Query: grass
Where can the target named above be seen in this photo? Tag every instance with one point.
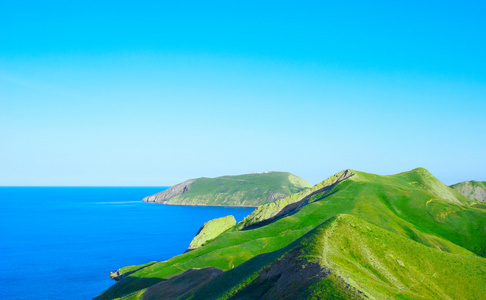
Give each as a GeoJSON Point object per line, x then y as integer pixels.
{"type": "Point", "coordinates": [211, 230]}
{"type": "Point", "coordinates": [242, 190]}
{"type": "Point", "coordinates": [402, 236]}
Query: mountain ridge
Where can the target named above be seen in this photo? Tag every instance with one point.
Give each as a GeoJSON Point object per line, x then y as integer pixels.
{"type": "Point", "coordinates": [381, 229]}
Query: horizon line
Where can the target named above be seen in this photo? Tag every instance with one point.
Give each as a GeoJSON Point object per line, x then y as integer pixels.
{"type": "Point", "coordinates": [3, 186]}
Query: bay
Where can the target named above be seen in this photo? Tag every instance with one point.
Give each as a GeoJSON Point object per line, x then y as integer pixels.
{"type": "Point", "coordinates": [62, 242]}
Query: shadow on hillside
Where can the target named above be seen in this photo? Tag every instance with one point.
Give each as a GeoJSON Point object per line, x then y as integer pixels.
{"type": "Point", "coordinates": [117, 277]}
{"type": "Point", "coordinates": [293, 208]}
{"type": "Point", "coordinates": [126, 286]}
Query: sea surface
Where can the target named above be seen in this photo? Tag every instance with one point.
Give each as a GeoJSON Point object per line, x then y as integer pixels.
{"type": "Point", "coordinates": [62, 242]}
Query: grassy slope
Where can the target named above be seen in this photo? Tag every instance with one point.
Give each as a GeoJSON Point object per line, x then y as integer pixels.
{"type": "Point", "coordinates": [241, 190]}
{"type": "Point", "coordinates": [412, 206]}
{"type": "Point", "coordinates": [211, 230]}
{"type": "Point", "coordinates": [353, 255]}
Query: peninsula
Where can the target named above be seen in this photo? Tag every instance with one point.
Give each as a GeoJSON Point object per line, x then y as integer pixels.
{"type": "Point", "coordinates": [241, 190]}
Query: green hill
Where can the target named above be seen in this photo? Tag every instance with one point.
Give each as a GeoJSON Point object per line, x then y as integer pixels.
{"type": "Point", "coordinates": [210, 230]}
{"type": "Point", "coordinates": [472, 189]}
{"type": "Point", "coordinates": [242, 190]}
{"type": "Point", "coordinates": [355, 235]}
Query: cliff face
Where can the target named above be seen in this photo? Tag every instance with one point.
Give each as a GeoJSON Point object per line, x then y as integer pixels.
{"type": "Point", "coordinates": [241, 190]}
{"type": "Point", "coordinates": [475, 190]}
{"type": "Point", "coordinates": [176, 190]}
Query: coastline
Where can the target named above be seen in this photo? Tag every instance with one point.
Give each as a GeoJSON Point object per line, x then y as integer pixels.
{"type": "Point", "coordinates": [229, 206]}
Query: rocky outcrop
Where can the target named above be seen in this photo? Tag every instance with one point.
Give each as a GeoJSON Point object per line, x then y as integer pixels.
{"type": "Point", "coordinates": [475, 190]}
{"type": "Point", "coordinates": [210, 230]}
{"type": "Point", "coordinates": [126, 271]}
{"type": "Point", "coordinates": [176, 190]}
{"type": "Point", "coordinates": [117, 275]}
{"type": "Point", "coordinates": [274, 196]}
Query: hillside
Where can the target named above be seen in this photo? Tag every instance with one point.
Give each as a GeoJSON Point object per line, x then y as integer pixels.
{"type": "Point", "coordinates": [472, 189]}
{"type": "Point", "coordinates": [242, 190]}
{"type": "Point", "coordinates": [355, 235]}
{"type": "Point", "coordinates": [210, 230]}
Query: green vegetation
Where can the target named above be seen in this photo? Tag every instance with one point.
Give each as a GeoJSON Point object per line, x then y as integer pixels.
{"type": "Point", "coordinates": [241, 190]}
{"type": "Point", "coordinates": [475, 190]}
{"type": "Point", "coordinates": [211, 230]}
{"type": "Point", "coordinates": [355, 235]}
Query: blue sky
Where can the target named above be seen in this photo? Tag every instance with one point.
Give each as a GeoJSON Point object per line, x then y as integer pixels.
{"type": "Point", "coordinates": [155, 92]}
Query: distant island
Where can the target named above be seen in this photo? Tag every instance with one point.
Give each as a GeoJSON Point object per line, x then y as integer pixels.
{"type": "Point", "coordinates": [355, 235]}
{"type": "Point", "coordinates": [241, 190]}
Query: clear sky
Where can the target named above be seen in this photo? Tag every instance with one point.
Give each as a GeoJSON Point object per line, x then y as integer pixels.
{"type": "Point", "coordinates": [156, 92]}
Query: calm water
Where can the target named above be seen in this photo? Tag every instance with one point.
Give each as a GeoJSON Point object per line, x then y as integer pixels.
{"type": "Point", "coordinates": [61, 242]}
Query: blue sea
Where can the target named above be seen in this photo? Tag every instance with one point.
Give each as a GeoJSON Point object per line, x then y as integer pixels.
{"type": "Point", "coordinates": [62, 242]}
